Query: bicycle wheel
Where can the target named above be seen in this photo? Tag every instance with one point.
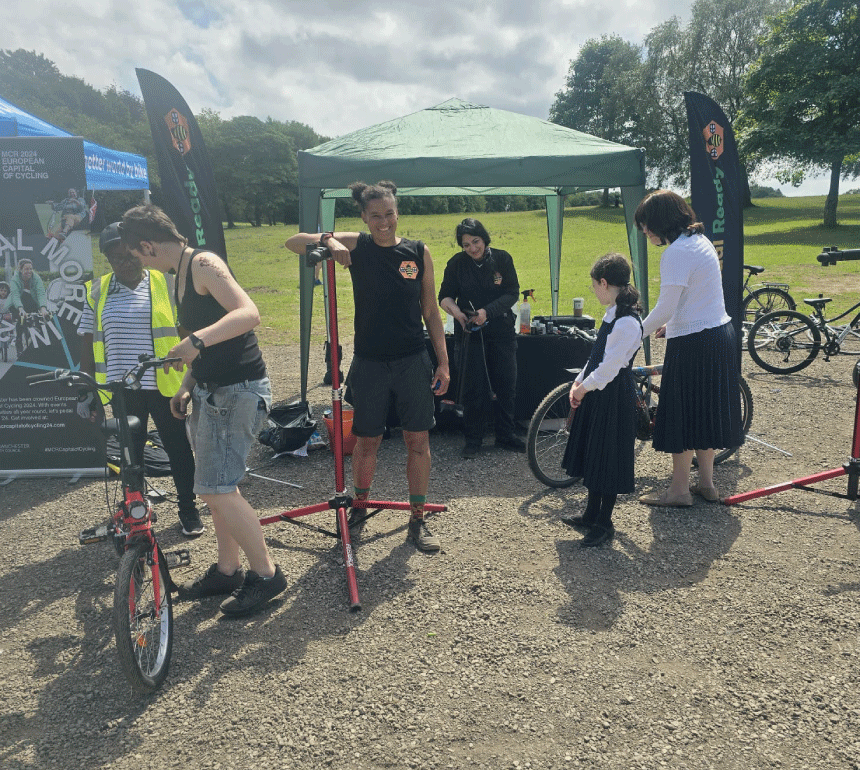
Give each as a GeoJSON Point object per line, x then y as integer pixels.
{"type": "Point", "coordinates": [142, 619]}
{"type": "Point", "coordinates": [767, 299]}
{"type": "Point", "coordinates": [746, 420]}
{"type": "Point", "coordinates": [784, 341]}
{"type": "Point", "coordinates": [547, 438]}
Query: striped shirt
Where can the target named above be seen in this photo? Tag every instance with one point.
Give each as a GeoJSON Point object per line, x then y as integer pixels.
{"type": "Point", "coordinates": [127, 326]}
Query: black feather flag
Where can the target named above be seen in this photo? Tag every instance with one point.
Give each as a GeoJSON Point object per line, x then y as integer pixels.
{"type": "Point", "coordinates": [715, 185]}
{"type": "Point", "coordinates": [187, 183]}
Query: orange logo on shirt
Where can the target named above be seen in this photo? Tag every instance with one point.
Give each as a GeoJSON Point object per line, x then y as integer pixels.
{"type": "Point", "coordinates": [409, 270]}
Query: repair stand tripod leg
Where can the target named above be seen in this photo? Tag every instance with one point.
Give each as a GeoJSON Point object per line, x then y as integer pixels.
{"type": "Point", "coordinates": [851, 469]}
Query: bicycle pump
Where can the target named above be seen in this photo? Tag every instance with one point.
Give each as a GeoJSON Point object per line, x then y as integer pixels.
{"type": "Point", "coordinates": [342, 501]}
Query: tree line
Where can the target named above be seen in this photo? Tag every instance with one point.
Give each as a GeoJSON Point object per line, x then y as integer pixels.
{"type": "Point", "coordinates": [785, 72]}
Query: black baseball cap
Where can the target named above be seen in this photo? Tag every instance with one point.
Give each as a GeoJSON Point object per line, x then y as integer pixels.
{"type": "Point", "coordinates": [110, 235]}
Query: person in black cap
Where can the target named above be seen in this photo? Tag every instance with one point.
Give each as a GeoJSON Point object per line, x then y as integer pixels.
{"type": "Point", "coordinates": [128, 312]}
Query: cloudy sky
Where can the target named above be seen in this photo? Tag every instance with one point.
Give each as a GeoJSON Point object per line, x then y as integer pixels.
{"type": "Point", "coordinates": [336, 66]}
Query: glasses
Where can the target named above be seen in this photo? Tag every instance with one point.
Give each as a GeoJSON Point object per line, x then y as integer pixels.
{"type": "Point", "coordinates": [125, 256]}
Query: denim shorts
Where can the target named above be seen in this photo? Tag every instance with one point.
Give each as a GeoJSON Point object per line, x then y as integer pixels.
{"type": "Point", "coordinates": [223, 425]}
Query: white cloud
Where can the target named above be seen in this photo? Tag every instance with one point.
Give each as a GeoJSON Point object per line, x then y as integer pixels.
{"type": "Point", "coordinates": [335, 65]}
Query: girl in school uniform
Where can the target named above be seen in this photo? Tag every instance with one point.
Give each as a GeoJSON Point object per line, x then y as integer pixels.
{"type": "Point", "coordinates": [603, 430]}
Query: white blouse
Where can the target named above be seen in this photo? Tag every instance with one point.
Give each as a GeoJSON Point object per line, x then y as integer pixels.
{"type": "Point", "coordinates": [621, 345]}
{"type": "Point", "coordinates": [691, 289]}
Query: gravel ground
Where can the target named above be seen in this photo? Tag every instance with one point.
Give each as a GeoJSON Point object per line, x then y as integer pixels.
{"type": "Point", "coordinates": [711, 637]}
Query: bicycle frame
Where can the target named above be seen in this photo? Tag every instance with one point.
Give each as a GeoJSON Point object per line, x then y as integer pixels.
{"type": "Point", "coordinates": [825, 325]}
{"type": "Point", "coordinates": [132, 519]}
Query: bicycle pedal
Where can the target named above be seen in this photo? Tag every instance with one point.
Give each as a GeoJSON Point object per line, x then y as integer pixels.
{"type": "Point", "coordinates": [93, 535]}
{"type": "Point", "coordinates": [181, 557]}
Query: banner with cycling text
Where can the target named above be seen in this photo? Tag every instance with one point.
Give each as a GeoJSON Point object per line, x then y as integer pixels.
{"type": "Point", "coordinates": [46, 257]}
{"type": "Point", "coordinates": [715, 187]}
{"type": "Point", "coordinates": [187, 182]}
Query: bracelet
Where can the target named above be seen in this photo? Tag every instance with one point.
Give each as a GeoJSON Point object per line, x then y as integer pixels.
{"type": "Point", "coordinates": [325, 236]}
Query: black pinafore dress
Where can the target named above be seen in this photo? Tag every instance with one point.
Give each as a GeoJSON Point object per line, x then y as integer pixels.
{"type": "Point", "coordinates": [603, 430]}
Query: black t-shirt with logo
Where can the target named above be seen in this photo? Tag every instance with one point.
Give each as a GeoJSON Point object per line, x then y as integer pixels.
{"type": "Point", "coordinates": [386, 286]}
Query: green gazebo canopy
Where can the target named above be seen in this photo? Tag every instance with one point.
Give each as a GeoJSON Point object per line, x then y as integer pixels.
{"type": "Point", "coordinates": [458, 148]}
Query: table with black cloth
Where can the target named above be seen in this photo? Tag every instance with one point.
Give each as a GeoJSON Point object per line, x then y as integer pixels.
{"type": "Point", "coordinates": [542, 364]}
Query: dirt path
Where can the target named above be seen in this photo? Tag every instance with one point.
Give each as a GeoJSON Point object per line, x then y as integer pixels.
{"type": "Point", "coordinates": [711, 637]}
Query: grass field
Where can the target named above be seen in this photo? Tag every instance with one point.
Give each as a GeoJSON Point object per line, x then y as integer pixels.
{"type": "Point", "coordinates": [784, 235]}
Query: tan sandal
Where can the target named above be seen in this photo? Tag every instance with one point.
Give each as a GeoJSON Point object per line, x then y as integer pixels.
{"type": "Point", "coordinates": [709, 493]}
{"type": "Point", "coordinates": [663, 500]}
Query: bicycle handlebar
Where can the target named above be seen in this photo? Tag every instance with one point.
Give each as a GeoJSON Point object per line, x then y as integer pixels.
{"type": "Point", "coordinates": [830, 255]}
{"type": "Point", "coordinates": [316, 253]}
{"type": "Point", "coordinates": [130, 380]}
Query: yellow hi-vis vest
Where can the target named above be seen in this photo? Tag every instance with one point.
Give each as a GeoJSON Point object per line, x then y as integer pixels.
{"type": "Point", "coordinates": [163, 319]}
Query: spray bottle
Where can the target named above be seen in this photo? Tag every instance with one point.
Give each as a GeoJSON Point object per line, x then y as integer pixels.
{"type": "Point", "coordinates": [526, 312]}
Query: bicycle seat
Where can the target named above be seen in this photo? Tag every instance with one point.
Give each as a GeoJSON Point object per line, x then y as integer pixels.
{"type": "Point", "coordinates": [818, 302]}
{"type": "Point", "coordinates": [110, 427]}
{"type": "Point", "coordinates": [753, 269]}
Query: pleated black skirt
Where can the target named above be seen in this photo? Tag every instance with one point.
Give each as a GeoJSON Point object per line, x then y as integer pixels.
{"type": "Point", "coordinates": [600, 445]}
{"type": "Point", "coordinates": [700, 398]}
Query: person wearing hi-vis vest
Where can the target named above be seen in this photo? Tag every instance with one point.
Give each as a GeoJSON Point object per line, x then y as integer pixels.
{"type": "Point", "coordinates": [128, 312]}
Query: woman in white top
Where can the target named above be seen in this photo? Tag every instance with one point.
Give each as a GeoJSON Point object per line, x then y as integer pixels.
{"type": "Point", "coordinates": [699, 408]}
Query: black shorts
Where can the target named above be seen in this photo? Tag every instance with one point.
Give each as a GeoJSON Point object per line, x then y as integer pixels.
{"type": "Point", "coordinates": [406, 380]}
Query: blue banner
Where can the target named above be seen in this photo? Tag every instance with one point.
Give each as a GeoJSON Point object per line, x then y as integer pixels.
{"type": "Point", "coordinates": [106, 169]}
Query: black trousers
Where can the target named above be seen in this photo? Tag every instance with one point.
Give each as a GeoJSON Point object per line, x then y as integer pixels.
{"type": "Point", "coordinates": [151, 403]}
{"type": "Point", "coordinates": [501, 357]}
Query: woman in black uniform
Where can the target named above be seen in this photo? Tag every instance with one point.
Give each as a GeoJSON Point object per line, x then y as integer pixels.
{"type": "Point", "coordinates": [478, 289]}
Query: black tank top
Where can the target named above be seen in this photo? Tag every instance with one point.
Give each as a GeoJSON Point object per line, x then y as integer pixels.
{"type": "Point", "coordinates": [386, 286]}
{"type": "Point", "coordinates": [224, 363]}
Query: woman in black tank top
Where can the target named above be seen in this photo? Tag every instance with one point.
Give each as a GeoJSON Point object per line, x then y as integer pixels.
{"type": "Point", "coordinates": [227, 385]}
{"type": "Point", "coordinates": [394, 291]}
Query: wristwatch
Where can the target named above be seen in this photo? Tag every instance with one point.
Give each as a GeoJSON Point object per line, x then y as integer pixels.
{"type": "Point", "coordinates": [325, 236]}
{"type": "Point", "coordinates": [197, 342]}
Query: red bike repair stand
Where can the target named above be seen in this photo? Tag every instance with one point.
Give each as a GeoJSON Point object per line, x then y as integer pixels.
{"type": "Point", "coordinates": [342, 502]}
{"type": "Point", "coordinates": [851, 469]}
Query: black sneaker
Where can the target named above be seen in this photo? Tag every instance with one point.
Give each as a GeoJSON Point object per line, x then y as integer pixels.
{"type": "Point", "coordinates": [254, 593]}
{"type": "Point", "coordinates": [514, 443]}
{"type": "Point", "coordinates": [471, 450]}
{"type": "Point", "coordinates": [578, 521]}
{"type": "Point", "coordinates": [422, 537]}
{"type": "Point", "coordinates": [191, 524]}
{"type": "Point", "coordinates": [598, 535]}
{"type": "Point", "coordinates": [212, 583]}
